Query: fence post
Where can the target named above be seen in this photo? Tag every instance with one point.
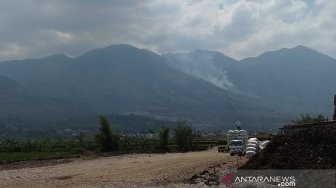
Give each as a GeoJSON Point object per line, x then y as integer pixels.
{"type": "Point", "coordinates": [334, 117]}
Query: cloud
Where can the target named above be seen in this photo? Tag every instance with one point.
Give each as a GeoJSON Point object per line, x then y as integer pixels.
{"type": "Point", "coordinates": [36, 28]}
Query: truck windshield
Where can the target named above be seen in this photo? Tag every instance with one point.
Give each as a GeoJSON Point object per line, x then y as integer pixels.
{"type": "Point", "coordinates": [236, 143]}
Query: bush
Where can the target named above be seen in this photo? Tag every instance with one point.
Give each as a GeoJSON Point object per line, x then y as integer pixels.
{"type": "Point", "coordinates": [309, 119]}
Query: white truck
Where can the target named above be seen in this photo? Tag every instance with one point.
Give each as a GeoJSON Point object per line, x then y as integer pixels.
{"type": "Point", "coordinates": [237, 140]}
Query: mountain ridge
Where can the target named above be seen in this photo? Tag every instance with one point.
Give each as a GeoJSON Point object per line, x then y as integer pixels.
{"type": "Point", "coordinates": [292, 76]}
{"type": "Point", "coordinates": [125, 79]}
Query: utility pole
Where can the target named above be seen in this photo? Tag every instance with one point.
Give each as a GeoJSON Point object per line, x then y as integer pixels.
{"type": "Point", "coordinates": [334, 117]}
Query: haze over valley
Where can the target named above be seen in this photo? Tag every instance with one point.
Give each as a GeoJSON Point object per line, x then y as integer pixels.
{"type": "Point", "coordinates": [204, 87]}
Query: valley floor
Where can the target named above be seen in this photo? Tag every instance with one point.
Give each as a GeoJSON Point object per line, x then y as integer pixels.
{"type": "Point", "coordinates": [138, 170]}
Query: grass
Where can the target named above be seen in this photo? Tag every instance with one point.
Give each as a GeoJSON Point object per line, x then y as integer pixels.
{"type": "Point", "coordinates": [22, 156]}
{"type": "Point", "coordinates": [12, 151]}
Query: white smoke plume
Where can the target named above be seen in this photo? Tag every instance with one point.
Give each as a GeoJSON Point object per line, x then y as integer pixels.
{"type": "Point", "coordinates": [204, 68]}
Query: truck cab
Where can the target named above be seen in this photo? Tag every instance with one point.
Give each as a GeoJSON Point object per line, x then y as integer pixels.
{"type": "Point", "coordinates": [237, 147]}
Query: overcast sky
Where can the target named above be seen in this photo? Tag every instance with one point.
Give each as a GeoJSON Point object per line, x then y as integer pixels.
{"type": "Point", "coordinates": [37, 28]}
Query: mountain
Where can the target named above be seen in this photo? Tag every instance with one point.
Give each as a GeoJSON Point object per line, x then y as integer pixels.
{"type": "Point", "coordinates": [11, 89]}
{"type": "Point", "coordinates": [299, 76]}
{"type": "Point", "coordinates": [20, 108]}
{"type": "Point", "coordinates": [205, 87]}
{"type": "Point", "coordinates": [31, 73]}
{"type": "Point", "coordinates": [122, 79]}
{"type": "Point", "coordinates": [296, 80]}
{"type": "Point", "coordinates": [13, 97]}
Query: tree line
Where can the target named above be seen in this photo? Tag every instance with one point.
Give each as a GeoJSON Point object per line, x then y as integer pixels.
{"type": "Point", "coordinates": [186, 139]}
{"type": "Point", "coordinates": [179, 138]}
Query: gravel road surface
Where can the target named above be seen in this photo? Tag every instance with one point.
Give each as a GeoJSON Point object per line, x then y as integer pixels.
{"type": "Point", "coordinates": [138, 170]}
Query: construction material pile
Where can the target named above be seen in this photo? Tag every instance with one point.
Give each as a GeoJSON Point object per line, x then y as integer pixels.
{"type": "Point", "coordinates": [313, 148]}
{"type": "Point", "coordinates": [237, 135]}
{"type": "Point", "coordinates": [252, 147]}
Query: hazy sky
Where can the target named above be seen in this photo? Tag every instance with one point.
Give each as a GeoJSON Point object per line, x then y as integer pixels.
{"type": "Point", "coordinates": [37, 28]}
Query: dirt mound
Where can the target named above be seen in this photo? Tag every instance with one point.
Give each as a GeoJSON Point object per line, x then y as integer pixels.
{"type": "Point", "coordinates": [313, 148]}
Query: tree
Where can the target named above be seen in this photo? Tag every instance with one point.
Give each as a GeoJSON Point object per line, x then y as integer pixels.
{"type": "Point", "coordinates": [184, 136]}
{"type": "Point", "coordinates": [164, 135]}
{"type": "Point", "coordinates": [304, 119]}
{"type": "Point", "coordinates": [80, 139]}
{"type": "Point", "coordinates": [106, 139]}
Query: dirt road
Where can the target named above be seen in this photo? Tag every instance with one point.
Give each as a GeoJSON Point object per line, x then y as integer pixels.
{"type": "Point", "coordinates": [140, 170]}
